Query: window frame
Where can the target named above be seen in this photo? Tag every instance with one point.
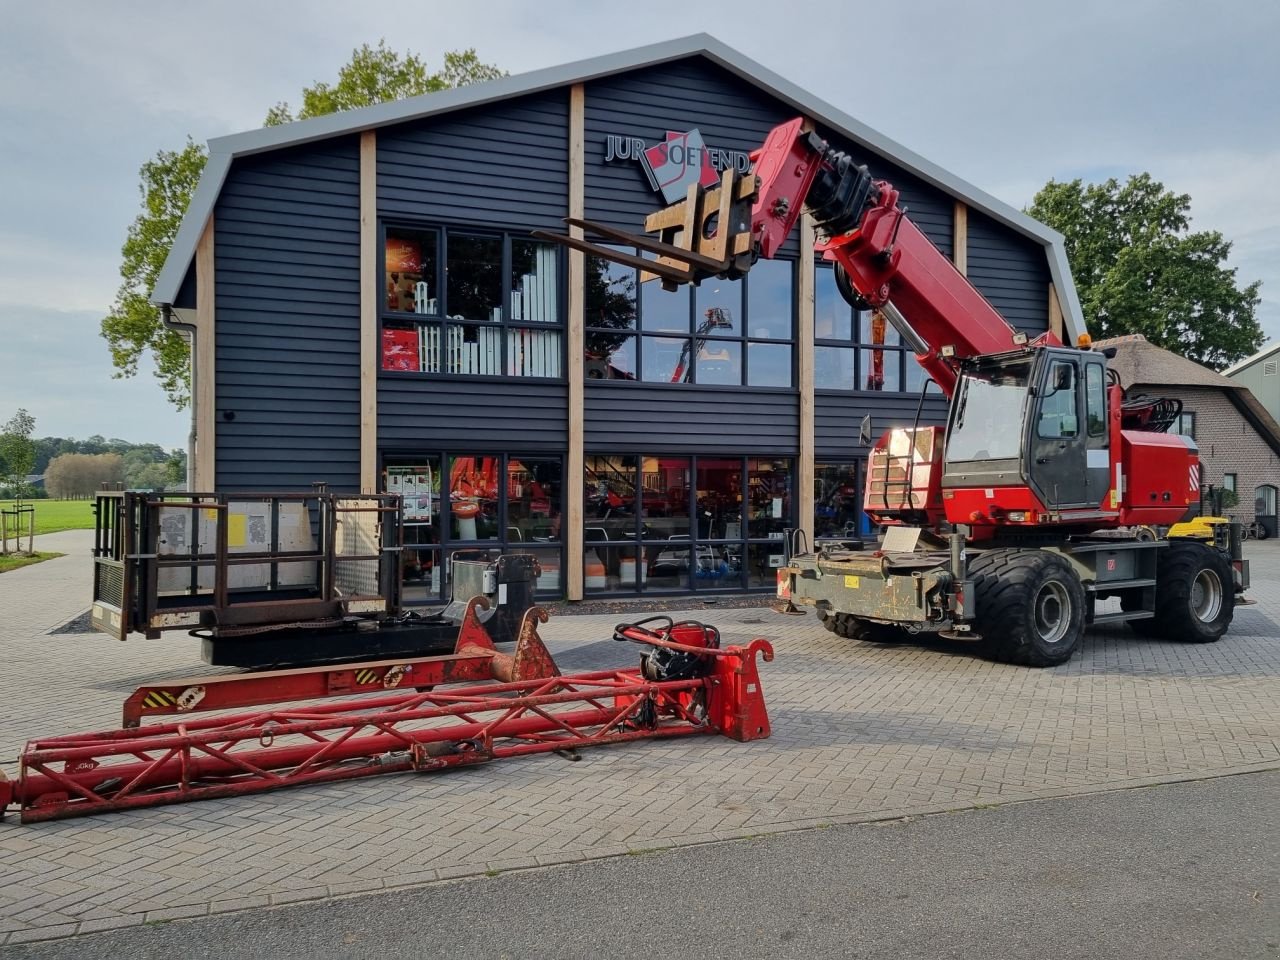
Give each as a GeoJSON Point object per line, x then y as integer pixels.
{"type": "Point", "coordinates": [441, 320]}
{"type": "Point", "coordinates": [637, 539]}
{"type": "Point", "coordinates": [743, 337]}
{"type": "Point", "coordinates": [898, 353]}
{"type": "Point", "coordinates": [447, 545]}
{"type": "Point", "coordinates": [1181, 421]}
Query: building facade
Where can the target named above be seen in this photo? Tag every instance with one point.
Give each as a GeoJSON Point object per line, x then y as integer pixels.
{"type": "Point", "coordinates": [370, 310]}
{"type": "Point", "coordinates": [1237, 439]}
{"type": "Point", "coordinates": [1260, 373]}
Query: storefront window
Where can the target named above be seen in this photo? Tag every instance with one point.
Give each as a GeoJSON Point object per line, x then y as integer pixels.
{"type": "Point", "coordinates": [769, 502]}
{"type": "Point", "coordinates": [837, 501]}
{"type": "Point", "coordinates": [473, 498]}
{"type": "Point", "coordinates": [418, 482]}
{"type": "Point", "coordinates": [882, 364]}
{"type": "Point", "coordinates": [719, 307]}
{"type": "Point", "coordinates": [769, 364]}
{"type": "Point", "coordinates": [650, 543]}
{"type": "Point", "coordinates": [469, 506]}
{"type": "Point", "coordinates": [610, 314]}
{"type": "Point", "coordinates": [412, 269]}
{"type": "Point", "coordinates": [714, 338]}
{"type": "Point", "coordinates": [666, 360]}
{"type": "Point", "coordinates": [720, 362]}
{"type": "Point", "coordinates": [473, 278]}
{"type": "Point", "coordinates": [533, 499]}
{"type": "Point", "coordinates": [770, 295]}
{"type": "Point", "coordinates": [833, 368]}
{"type": "Point", "coordinates": [665, 311]}
{"type": "Point", "coordinates": [664, 497]}
{"type": "Point", "coordinates": [719, 498]}
{"type": "Point", "coordinates": [468, 331]}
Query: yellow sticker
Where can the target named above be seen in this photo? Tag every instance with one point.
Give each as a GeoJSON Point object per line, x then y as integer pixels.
{"type": "Point", "coordinates": [211, 515]}
{"type": "Point", "coordinates": [852, 582]}
{"type": "Point", "coordinates": [1115, 500]}
{"type": "Point", "coordinates": [236, 530]}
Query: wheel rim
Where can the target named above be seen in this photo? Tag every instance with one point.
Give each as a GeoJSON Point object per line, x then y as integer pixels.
{"type": "Point", "coordinates": [1206, 596]}
{"type": "Point", "coordinates": [1052, 612]}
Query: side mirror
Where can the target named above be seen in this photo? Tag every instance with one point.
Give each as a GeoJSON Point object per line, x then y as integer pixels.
{"type": "Point", "coordinates": [864, 431]}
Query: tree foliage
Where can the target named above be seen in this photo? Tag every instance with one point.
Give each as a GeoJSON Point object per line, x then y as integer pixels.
{"type": "Point", "coordinates": [17, 450]}
{"type": "Point", "coordinates": [377, 74]}
{"type": "Point", "coordinates": [76, 475]}
{"type": "Point", "coordinates": [1140, 268]}
{"type": "Point", "coordinates": [134, 327]}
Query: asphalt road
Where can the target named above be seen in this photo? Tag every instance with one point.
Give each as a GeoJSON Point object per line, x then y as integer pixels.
{"type": "Point", "coordinates": [1185, 870]}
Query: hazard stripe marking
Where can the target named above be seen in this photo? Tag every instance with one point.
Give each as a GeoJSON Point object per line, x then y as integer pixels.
{"type": "Point", "coordinates": [366, 676]}
{"type": "Point", "coordinates": [159, 698]}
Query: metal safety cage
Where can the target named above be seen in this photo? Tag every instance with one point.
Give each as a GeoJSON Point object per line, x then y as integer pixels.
{"type": "Point", "coordinates": [231, 562]}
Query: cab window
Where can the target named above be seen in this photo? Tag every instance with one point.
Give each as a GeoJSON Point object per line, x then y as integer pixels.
{"type": "Point", "coordinates": [1059, 403]}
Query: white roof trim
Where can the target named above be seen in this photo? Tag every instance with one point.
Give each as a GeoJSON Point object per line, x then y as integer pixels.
{"type": "Point", "coordinates": [225, 149]}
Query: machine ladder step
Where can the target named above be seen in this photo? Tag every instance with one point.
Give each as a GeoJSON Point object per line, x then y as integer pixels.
{"type": "Point", "coordinates": [1121, 616]}
{"type": "Point", "coordinates": [1108, 585]}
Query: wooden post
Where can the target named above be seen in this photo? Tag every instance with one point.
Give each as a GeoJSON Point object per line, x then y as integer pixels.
{"type": "Point", "coordinates": [572, 528]}
{"type": "Point", "coordinates": [204, 394]}
{"type": "Point", "coordinates": [805, 287]}
{"type": "Point", "coordinates": [960, 238]}
{"type": "Point", "coordinates": [1056, 325]}
{"type": "Point", "coordinates": [369, 292]}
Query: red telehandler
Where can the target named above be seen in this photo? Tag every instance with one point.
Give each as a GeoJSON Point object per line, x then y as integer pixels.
{"type": "Point", "coordinates": [1006, 526]}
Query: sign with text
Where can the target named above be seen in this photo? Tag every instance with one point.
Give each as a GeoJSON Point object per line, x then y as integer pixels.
{"type": "Point", "coordinates": [679, 161]}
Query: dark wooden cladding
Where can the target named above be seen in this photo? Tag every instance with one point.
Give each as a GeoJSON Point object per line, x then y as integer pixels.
{"type": "Point", "coordinates": [640, 417]}
{"type": "Point", "coordinates": [1011, 271]}
{"type": "Point", "coordinates": [837, 419]}
{"type": "Point", "coordinates": [417, 413]}
{"type": "Point", "coordinates": [504, 166]}
{"type": "Point", "coordinates": [287, 247]}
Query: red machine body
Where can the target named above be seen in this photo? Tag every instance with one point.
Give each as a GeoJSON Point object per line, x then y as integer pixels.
{"type": "Point", "coordinates": [891, 266]}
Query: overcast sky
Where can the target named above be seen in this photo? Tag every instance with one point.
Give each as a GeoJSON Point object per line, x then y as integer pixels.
{"type": "Point", "coordinates": [1004, 94]}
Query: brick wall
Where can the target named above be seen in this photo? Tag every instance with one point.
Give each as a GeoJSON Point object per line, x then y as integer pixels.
{"type": "Point", "coordinates": [1228, 444]}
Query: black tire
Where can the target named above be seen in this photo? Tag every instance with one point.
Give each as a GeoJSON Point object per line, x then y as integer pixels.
{"type": "Point", "coordinates": [1029, 606]}
{"type": "Point", "coordinates": [854, 628]}
{"type": "Point", "coordinates": [1260, 531]}
{"type": "Point", "coordinates": [1195, 594]}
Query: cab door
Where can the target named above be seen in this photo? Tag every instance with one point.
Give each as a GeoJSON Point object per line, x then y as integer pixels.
{"type": "Point", "coordinates": [1056, 434]}
{"type": "Point", "coordinates": [1097, 427]}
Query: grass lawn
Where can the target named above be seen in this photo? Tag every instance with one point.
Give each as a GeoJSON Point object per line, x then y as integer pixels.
{"type": "Point", "coordinates": [55, 515]}
{"type": "Point", "coordinates": [12, 561]}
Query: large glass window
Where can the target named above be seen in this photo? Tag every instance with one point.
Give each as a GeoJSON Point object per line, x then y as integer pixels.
{"type": "Point", "coordinates": [837, 501]}
{"type": "Point", "coordinates": [723, 332]}
{"type": "Point", "coordinates": [472, 315]}
{"type": "Point", "coordinates": [610, 314]}
{"type": "Point", "coordinates": [510, 503]}
{"type": "Point", "coordinates": [858, 349]}
{"type": "Point", "coordinates": [659, 523]}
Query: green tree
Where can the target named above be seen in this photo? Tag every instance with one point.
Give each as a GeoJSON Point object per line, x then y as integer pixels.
{"type": "Point", "coordinates": [1139, 268]}
{"type": "Point", "coordinates": [133, 327]}
{"type": "Point", "coordinates": [377, 74]}
{"type": "Point", "coordinates": [17, 451]}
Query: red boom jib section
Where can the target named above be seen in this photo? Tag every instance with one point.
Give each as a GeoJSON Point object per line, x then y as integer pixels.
{"type": "Point", "coordinates": [686, 685]}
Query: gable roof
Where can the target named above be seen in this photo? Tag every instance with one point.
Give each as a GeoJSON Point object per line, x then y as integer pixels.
{"type": "Point", "coordinates": [1140, 363]}
{"type": "Point", "coordinates": [1265, 353]}
{"type": "Point", "coordinates": [223, 150]}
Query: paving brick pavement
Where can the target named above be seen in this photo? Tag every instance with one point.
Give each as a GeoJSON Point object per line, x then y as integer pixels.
{"type": "Point", "coordinates": [860, 732]}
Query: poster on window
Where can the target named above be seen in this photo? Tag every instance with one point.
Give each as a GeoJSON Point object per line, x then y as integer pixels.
{"type": "Point", "coordinates": [414, 485]}
{"type": "Point", "coordinates": [400, 350]}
